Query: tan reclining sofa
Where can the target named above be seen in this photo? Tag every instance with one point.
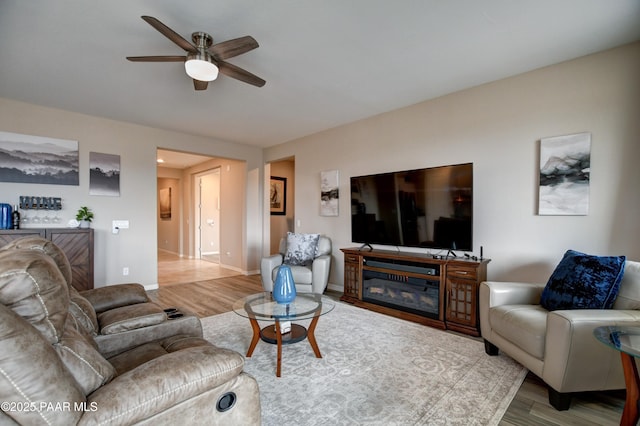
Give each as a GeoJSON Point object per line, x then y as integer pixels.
{"type": "Point", "coordinates": [53, 372]}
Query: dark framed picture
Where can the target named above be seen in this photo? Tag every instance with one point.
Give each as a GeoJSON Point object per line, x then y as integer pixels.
{"type": "Point", "coordinates": [278, 195]}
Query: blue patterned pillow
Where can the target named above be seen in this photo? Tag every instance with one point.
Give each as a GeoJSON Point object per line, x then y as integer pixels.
{"type": "Point", "coordinates": [582, 281]}
{"type": "Point", "coordinates": [301, 248]}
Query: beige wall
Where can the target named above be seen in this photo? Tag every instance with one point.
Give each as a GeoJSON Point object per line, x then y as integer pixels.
{"type": "Point", "coordinates": [136, 247]}
{"type": "Point", "coordinates": [498, 127]}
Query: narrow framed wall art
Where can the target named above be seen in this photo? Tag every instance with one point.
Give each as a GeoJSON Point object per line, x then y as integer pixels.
{"type": "Point", "coordinates": [565, 166]}
{"type": "Point", "coordinates": [329, 194]}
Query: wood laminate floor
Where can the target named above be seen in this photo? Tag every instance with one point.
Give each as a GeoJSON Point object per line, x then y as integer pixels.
{"type": "Point", "coordinates": [207, 289]}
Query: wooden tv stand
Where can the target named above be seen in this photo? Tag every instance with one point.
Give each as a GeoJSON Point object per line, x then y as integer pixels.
{"type": "Point", "coordinates": [456, 280]}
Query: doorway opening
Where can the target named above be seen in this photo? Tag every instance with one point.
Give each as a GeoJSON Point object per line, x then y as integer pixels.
{"type": "Point", "coordinates": [208, 215]}
{"type": "Point", "coordinates": [281, 220]}
{"type": "Point", "coordinates": [180, 233]}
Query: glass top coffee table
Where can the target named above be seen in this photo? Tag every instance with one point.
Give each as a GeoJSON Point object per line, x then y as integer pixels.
{"type": "Point", "coordinates": [625, 339]}
{"type": "Point", "coordinates": [262, 307]}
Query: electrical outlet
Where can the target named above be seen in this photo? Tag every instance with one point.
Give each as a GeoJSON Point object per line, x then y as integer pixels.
{"type": "Point", "coordinates": [125, 270]}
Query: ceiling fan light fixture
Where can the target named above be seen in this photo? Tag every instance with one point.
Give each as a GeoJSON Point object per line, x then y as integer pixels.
{"type": "Point", "coordinates": [200, 66]}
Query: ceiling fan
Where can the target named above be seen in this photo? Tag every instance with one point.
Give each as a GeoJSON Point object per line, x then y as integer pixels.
{"type": "Point", "coordinates": [204, 59]}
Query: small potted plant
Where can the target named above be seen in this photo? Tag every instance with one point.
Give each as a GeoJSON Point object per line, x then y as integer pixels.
{"type": "Point", "coordinates": [84, 217]}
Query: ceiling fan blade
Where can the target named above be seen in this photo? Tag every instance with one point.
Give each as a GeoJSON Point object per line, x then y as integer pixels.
{"type": "Point", "coordinates": [157, 58]}
{"type": "Point", "coordinates": [200, 85]}
{"type": "Point", "coordinates": [240, 74]}
{"type": "Point", "coordinates": [230, 48]}
{"type": "Point", "coordinates": [169, 33]}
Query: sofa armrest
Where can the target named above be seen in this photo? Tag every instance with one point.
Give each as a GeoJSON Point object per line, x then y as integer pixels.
{"type": "Point", "coordinates": [112, 344]}
{"type": "Point", "coordinates": [574, 359]}
{"type": "Point", "coordinates": [115, 296]}
{"type": "Point", "coordinates": [497, 293]}
{"type": "Point", "coordinates": [162, 383]}
{"type": "Point", "coordinates": [320, 273]}
{"type": "Point", "coordinates": [130, 317]}
{"type": "Point", "coordinates": [267, 265]}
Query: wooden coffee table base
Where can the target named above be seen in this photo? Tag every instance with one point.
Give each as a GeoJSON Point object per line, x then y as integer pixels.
{"type": "Point", "coordinates": [271, 334]}
{"type": "Point", "coordinates": [630, 415]}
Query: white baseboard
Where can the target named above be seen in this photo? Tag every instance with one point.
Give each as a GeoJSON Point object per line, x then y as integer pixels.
{"type": "Point", "coordinates": [170, 252]}
{"type": "Point", "coordinates": [233, 268]}
{"type": "Point", "coordinates": [335, 287]}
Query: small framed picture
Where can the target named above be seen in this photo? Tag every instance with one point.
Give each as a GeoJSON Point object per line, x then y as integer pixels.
{"type": "Point", "coordinates": [278, 195]}
{"type": "Point", "coordinates": [329, 193]}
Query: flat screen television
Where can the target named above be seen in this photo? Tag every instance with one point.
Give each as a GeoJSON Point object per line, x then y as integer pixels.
{"type": "Point", "coordinates": [430, 208]}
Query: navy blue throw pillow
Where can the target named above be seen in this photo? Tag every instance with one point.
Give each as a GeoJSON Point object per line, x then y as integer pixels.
{"type": "Point", "coordinates": [582, 281]}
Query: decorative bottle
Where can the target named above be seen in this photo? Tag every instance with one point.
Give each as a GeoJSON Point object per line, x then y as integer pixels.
{"type": "Point", "coordinates": [15, 218]}
{"type": "Point", "coordinates": [284, 288]}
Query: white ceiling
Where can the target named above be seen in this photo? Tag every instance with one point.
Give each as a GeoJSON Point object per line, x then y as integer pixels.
{"type": "Point", "coordinates": [326, 62]}
{"type": "Point", "coordinates": [179, 160]}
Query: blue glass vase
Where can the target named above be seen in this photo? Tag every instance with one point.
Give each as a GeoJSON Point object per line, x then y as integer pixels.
{"type": "Point", "coordinates": [284, 288]}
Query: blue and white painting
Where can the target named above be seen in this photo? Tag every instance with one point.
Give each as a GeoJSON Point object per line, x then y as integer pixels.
{"type": "Point", "coordinates": [565, 163]}
{"type": "Point", "coordinates": [37, 159]}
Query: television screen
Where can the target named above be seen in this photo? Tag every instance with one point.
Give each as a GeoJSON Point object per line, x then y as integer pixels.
{"type": "Point", "coordinates": [431, 208]}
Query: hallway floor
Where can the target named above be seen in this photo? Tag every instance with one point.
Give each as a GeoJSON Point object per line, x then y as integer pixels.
{"type": "Point", "coordinates": [173, 269]}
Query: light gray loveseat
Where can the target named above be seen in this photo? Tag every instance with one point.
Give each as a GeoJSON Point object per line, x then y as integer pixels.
{"type": "Point", "coordinates": [558, 346]}
{"type": "Point", "coordinates": [52, 372]}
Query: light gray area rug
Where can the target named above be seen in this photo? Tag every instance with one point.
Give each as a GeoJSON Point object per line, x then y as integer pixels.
{"type": "Point", "coordinates": [375, 370]}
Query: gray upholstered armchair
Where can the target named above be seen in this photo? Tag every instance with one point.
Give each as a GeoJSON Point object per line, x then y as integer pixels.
{"type": "Point", "coordinates": [558, 346]}
{"type": "Point", "coordinates": [312, 278]}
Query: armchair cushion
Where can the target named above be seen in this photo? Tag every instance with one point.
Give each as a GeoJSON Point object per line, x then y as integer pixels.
{"type": "Point", "coordinates": [582, 281]}
{"type": "Point", "coordinates": [301, 274]}
{"type": "Point", "coordinates": [301, 249]}
{"type": "Point", "coordinates": [523, 325]}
